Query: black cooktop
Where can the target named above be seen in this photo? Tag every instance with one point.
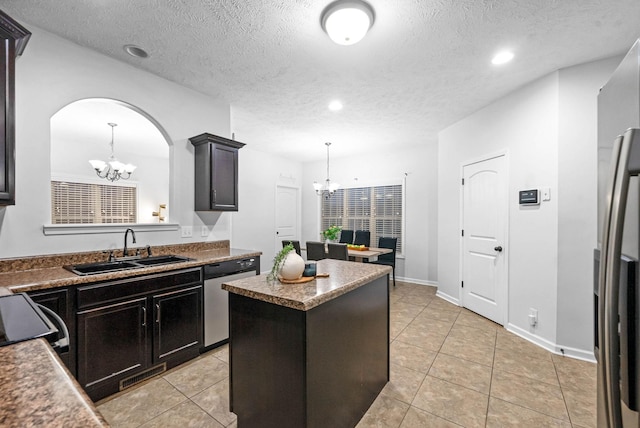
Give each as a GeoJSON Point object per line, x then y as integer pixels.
{"type": "Point", "coordinates": [20, 319]}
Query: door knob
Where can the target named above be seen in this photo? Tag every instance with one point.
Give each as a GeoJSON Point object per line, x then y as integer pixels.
{"type": "Point", "coordinates": [498, 248]}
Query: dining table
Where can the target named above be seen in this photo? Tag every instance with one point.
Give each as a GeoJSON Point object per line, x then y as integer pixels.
{"type": "Point", "coordinates": [361, 255]}
{"type": "Point", "coordinates": [371, 252]}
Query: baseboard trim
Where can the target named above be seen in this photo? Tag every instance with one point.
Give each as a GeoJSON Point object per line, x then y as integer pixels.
{"type": "Point", "coordinates": [567, 351]}
{"type": "Point", "coordinates": [417, 281]}
{"type": "Point", "coordinates": [448, 298]}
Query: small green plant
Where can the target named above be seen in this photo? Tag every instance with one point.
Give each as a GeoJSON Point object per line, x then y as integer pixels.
{"type": "Point", "coordinates": [332, 233]}
{"type": "Point", "coordinates": [278, 260]}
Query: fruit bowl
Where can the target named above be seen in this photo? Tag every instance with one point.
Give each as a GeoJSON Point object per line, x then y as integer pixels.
{"type": "Point", "coordinates": [357, 247]}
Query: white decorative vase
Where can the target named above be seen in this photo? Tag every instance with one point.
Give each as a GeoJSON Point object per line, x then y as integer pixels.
{"type": "Point", "coordinates": [292, 266]}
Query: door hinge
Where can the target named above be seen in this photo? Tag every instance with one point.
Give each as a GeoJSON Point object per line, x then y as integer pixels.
{"type": "Point", "coordinates": [462, 232]}
{"type": "Point", "coordinates": [462, 284]}
{"type": "Point", "coordinates": [463, 181]}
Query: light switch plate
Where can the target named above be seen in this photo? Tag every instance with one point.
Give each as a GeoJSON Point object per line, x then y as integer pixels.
{"type": "Point", "coordinates": [187, 231]}
{"type": "Point", "coordinates": [546, 193]}
{"type": "Point", "coordinates": [204, 232]}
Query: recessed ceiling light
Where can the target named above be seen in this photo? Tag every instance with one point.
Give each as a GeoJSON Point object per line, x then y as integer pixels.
{"type": "Point", "coordinates": [335, 105]}
{"type": "Point", "coordinates": [347, 21]}
{"type": "Point", "coordinates": [502, 58]}
{"type": "Point", "coordinates": [136, 51]}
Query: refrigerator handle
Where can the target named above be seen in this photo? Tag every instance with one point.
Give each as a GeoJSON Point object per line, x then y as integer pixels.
{"type": "Point", "coordinates": [626, 162]}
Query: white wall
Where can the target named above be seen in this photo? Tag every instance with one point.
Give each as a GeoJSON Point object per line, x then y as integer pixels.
{"type": "Point", "coordinates": [525, 124]}
{"type": "Point", "coordinates": [420, 163]}
{"type": "Point", "coordinates": [549, 130]}
{"type": "Point", "coordinates": [53, 72]}
{"type": "Point", "coordinates": [577, 195]}
{"type": "Point", "coordinates": [254, 224]}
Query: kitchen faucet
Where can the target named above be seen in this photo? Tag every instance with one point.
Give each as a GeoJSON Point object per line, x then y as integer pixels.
{"type": "Point", "coordinates": [133, 235]}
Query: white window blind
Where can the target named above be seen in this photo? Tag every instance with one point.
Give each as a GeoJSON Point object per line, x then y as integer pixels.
{"type": "Point", "coordinates": [86, 203]}
{"type": "Point", "coordinates": [378, 209]}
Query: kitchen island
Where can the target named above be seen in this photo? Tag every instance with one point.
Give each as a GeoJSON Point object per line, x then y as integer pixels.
{"type": "Point", "coordinates": [309, 355]}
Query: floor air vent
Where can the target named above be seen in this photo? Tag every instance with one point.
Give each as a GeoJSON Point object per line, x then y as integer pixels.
{"type": "Point", "coordinates": [137, 378]}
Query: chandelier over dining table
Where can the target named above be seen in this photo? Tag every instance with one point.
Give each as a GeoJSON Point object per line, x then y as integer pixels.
{"type": "Point", "coordinates": [113, 169]}
{"type": "Point", "coordinates": [328, 188]}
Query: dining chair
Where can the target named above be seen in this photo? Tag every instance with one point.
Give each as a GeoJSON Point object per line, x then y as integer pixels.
{"type": "Point", "coordinates": [346, 236]}
{"type": "Point", "coordinates": [296, 245]}
{"type": "Point", "coordinates": [388, 259]}
{"type": "Point", "coordinates": [315, 250]}
{"type": "Point", "coordinates": [363, 237]}
{"type": "Point", "coordinates": [338, 251]}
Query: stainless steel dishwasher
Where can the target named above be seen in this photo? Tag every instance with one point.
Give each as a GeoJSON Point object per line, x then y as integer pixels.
{"type": "Point", "coordinates": [216, 300]}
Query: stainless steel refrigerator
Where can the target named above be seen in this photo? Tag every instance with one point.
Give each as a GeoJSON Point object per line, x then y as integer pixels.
{"type": "Point", "coordinates": [617, 296]}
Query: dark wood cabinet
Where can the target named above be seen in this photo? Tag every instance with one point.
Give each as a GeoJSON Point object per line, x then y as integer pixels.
{"type": "Point", "coordinates": [112, 344]}
{"type": "Point", "coordinates": [132, 329]}
{"type": "Point", "coordinates": [216, 173]}
{"type": "Point", "coordinates": [13, 39]}
{"type": "Point", "coordinates": [178, 323]}
{"type": "Point", "coordinates": [60, 302]}
{"type": "Point", "coordinates": [317, 368]}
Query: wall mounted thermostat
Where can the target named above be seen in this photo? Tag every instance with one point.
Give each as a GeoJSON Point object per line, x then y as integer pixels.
{"type": "Point", "coordinates": [529, 197]}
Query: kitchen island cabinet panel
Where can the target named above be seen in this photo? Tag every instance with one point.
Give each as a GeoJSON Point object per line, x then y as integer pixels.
{"type": "Point", "coordinates": [347, 355]}
{"type": "Point", "coordinates": [316, 368]}
{"type": "Point", "coordinates": [268, 368]}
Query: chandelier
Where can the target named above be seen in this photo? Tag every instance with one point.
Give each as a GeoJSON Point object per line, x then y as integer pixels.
{"type": "Point", "coordinates": [112, 170]}
{"type": "Point", "coordinates": [328, 188]}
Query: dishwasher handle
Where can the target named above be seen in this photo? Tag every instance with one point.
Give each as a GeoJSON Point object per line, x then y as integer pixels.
{"type": "Point", "coordinates": [231, 267]}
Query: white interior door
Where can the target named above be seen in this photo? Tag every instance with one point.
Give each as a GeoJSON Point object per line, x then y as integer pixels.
{"type": "Point", "coordinates": [287, 214]}
{"type": "Point", "coordinates": [484, 287]}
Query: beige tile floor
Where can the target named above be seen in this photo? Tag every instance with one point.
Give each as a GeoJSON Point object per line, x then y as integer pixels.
{"type": "Point", "coordinates": [449, 368]}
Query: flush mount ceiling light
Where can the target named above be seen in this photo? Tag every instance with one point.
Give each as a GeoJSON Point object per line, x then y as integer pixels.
{"type": "Point", "coordinates": [112, 170]}
{"type": "Point", "coordinates": [502, 58]}
{"type": "Point", "coordinates": [347, 21]}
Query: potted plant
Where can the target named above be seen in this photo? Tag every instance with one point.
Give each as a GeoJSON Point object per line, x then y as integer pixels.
{"type": "Point", "coordinates": [332, 233]}
{"type": "Point", "coordinates": [287, 263]}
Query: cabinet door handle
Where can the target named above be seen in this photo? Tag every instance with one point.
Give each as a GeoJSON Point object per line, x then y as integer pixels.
{"type": "Point", "coordinates": [144, 316]}
{"type": "Point", "coordinates": [158, 313]}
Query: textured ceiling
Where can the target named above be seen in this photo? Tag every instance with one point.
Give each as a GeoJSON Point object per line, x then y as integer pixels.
{"type": "Point", "coordinates": [424, 65]}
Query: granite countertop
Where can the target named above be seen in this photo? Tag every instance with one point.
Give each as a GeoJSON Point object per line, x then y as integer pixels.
{"type": "Point", "coordinates": [343, 277]}
{"type": "Point", "coordinates": [44, 272]}
{"type": "Point", "coordinates": [37, 390]}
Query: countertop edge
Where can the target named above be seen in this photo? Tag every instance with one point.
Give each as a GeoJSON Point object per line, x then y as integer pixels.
{"type": "Point", "coordinates": [67, 278]}
{"type": "Point", "coordinates": [31, 402]}
{"type": "Point", "coordinates": [305, 305]}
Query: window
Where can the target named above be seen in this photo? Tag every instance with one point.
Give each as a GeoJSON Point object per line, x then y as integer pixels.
{"type": "Point", "coordinates": [85, 203]}
{"type": "Point", "coordinates": [377, 209]}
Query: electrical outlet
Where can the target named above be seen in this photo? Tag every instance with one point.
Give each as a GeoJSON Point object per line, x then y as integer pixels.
{"type": "Point", "coordinates": [187, 231]}
{"type": "Point", "coordinates": [533, 317]}
{"type": "Point", "coordinates": [204, 232]}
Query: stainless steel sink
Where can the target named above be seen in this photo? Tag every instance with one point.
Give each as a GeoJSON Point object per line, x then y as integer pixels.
{"type": "Point", "coordinates": [117, 265]}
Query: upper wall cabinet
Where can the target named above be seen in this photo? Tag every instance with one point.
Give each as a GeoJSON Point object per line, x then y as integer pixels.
{"type": "Point", "coordinates": [216, 171]}
{"type": "Point", "coordinates": [13, 38]}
